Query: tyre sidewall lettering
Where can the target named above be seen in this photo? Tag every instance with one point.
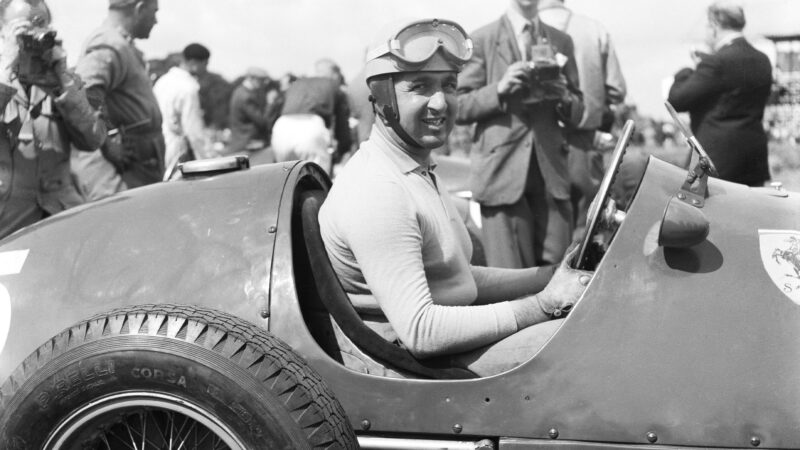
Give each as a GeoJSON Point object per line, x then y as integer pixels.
{"type": "Point", "coordinates": [74, 385]}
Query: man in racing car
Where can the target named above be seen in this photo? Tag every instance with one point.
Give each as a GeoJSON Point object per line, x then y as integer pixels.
{"type": "Point", "coordinates": [396, 240]}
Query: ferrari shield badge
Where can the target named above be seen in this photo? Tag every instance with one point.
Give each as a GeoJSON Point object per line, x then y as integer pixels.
{"type": "Point", "coordinates": [780, 253]}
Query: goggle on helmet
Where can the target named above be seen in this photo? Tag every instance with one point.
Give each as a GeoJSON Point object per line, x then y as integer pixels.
{"type": "Point", "coordinates": [430, 45]}
{"type": "Point", "coordinates": [414, 47]}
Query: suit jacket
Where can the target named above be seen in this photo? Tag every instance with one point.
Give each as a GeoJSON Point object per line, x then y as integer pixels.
{"type": "Point", "coordinates": [506, 130]}
{"type": "Point", "coordinates": [725, 97]}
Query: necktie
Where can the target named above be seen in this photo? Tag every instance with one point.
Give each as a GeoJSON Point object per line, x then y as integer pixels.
{"type": "Point", "coordinates": [527, 40]}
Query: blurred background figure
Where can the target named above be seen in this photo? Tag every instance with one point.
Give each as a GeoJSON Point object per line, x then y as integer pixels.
{"type": "Point", "coordinates": [116, 79]}
{"type": "Point", "coordinates": [361, 110]}
{"type": "Point", "coordinates": [603, 87]}
{"type": "Point", "coordinates": [314, 122]}
{"type": "Point", "coordinates": [178, 95]}
{"type": "Point", "coordinates": [725, 95]}
{"type": "Point", "coordinates": [44, 111]}
{"type": "Point", "coordinates": [252, 114]}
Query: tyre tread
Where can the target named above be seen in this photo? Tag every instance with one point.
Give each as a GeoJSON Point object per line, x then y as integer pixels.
{"type": "Point", "coordinates": [305, 396]}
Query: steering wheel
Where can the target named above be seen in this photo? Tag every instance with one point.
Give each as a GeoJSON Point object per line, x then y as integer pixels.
{"type": "Point", "coordinates": [602, 201]}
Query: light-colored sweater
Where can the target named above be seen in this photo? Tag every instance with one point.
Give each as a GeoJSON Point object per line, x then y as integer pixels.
{"type": "Point", "coordinates": [401, 249]}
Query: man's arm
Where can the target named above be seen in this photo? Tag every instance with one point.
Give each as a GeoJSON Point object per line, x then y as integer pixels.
{"type": "Point", "coordinates": [194, 127]}
{"type": "Point", "coordinates": [693, 88]}
{"type": "Point", "coordinates": [498, 284]}
{"type": "Point", "coordinates": [101, 71]}
{"type": "Point", "coordinates": [84, 123]}
{"type": "Point", "coordinates": [477, 100]}
{"type": "Point", "coordinates": [615, 86]}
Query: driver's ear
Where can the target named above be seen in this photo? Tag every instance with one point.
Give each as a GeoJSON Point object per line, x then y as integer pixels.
{"type": "Point", "coordinates": [137, 8]}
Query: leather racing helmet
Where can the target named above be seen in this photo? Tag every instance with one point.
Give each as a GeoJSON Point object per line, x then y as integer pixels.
{"type": "Point", "coordinates": [428, 45]}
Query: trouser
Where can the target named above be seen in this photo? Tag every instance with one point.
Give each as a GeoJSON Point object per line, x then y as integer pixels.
{"type": "Point", "coordinates": [534, 231]}
{"type": "Point", "coordinates": [302, 136]}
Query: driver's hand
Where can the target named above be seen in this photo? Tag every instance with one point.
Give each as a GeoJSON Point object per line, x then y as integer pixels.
{"type": "Point", "coordinates": [565, 288]}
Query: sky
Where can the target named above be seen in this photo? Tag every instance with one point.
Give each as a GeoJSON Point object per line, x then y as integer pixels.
{"type": "Point", "coordinates": [652, 37]}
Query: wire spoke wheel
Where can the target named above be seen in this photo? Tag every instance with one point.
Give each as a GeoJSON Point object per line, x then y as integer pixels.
{"type": "Point", "coordinates": [142, 421]}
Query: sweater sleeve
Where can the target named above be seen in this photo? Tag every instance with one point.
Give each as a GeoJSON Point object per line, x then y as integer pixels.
{"type": "Point", "coordinates": [385, 237]}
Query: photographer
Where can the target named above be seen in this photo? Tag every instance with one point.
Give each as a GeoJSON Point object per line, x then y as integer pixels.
{"type": "Point", "coordinates": [521, 82]}
{"type": "Point", "coordinates": [45, 110]}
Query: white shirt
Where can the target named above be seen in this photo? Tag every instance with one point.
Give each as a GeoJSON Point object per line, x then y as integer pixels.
{"type": "Point", "coordinates": [518, 22]}
{"type": "Point", "coordinates": [178, 95]}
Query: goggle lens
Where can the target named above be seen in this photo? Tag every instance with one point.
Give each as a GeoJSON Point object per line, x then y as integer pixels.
{"type": "Point", "coordinates": [418, 42]}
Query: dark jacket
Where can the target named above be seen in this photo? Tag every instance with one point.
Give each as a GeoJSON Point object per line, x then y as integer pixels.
{"type": "Point", "coordinates": [725, 97]}
{"type": "Point", "coordinates": [115, 75]}
{"type": "Point", "coordinates": [506, 131]}
{"type": "Point", "coordinates": [250, 118]}
{"type": "Point", "coordinates": [325, 98]}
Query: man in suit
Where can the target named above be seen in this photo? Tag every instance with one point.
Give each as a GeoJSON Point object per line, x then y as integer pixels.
{"type": "Point", "coordinates": [725, 97]}
{"type": "Point", "coordinates": [519, 169]}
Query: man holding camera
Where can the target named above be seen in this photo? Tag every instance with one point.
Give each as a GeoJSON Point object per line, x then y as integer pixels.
{"type": "Point", "coordinates": [521, 82]}
{"type": "Point", "coordinates": [116, 78]}
{"type": "Point", "coordinates": [44, 110]}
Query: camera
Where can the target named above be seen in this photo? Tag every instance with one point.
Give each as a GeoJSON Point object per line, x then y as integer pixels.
{"type": "Point", "coordinates": [544, 68]}
{"type": "Point", "coordinates": [32, 68]}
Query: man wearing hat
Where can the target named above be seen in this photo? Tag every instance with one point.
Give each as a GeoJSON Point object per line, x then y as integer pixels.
{"type": "Point", "coordinates": [250, 116]}
{"type": "Point", "coordinates": [116, 78]}
{"type": "Point", "coordinates": [178, 94]}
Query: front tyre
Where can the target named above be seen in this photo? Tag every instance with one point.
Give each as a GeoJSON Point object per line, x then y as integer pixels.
{"type": "Point", "coordinates": [168, 377]}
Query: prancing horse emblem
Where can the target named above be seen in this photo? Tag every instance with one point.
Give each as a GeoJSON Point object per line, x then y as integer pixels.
{"type": "Point", "coordinates": [790, 255]}
{"type": "Point", "coordinates": [780, 253]}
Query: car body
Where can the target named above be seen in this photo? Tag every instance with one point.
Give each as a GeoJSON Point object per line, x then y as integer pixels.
{"type": "Point", "coordinates": [669, 347]}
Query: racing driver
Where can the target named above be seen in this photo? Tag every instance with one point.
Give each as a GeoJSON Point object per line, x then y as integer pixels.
{"type": "Point", "coordinates": [397, 242]}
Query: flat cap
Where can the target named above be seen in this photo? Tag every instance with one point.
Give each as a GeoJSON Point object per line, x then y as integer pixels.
{"type": "Point", "coordinates": [256, 72]}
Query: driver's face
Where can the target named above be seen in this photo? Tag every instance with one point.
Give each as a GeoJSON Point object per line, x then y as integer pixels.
{"type": "Point", "coordinates": [426, 103]}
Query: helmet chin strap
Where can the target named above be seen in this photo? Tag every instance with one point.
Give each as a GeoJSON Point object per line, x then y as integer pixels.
{"type": "Point", "coordinates": [384, 100]}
